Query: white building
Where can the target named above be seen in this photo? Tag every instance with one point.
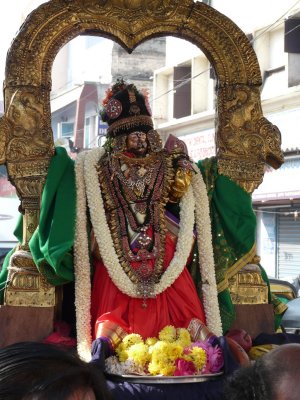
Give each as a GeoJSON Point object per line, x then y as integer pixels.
{"type": "Point", "coordinates": [82, 72]}
{"type": "Point", "coordinates": [184, 106]}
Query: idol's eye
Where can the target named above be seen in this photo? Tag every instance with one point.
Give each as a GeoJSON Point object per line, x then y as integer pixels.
{"type": "Point", "coordinates": [133, 135]}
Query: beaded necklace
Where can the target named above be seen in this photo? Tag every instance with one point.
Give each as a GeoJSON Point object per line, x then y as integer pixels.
{"type": "Point", "coordinates": [136, 192]}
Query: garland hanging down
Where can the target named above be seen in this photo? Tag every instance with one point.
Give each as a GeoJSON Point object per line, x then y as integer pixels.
{"type": "Point", "coordinates": [193, 204]}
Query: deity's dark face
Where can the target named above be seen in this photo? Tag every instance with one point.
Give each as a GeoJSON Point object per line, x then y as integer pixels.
{"type": "Point", "coordinates": [137, 144]}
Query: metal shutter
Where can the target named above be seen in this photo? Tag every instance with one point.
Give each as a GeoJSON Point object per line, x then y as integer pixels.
{"type": "Point", "coordinates": [288, 255]}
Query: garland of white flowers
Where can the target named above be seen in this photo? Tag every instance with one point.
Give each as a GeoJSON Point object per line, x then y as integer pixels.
{"type": "Point", "coordinates": [88, 191]}
{"type": "Point", "coordinates": [206, 255]}
{"type": "Point", "coordinates": [82, 267]}
{"type": "Point", "coordinates": [105, 241]}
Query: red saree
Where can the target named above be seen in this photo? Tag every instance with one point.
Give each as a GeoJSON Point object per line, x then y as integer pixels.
{"type": "Point", "coordinates": [177, 305]}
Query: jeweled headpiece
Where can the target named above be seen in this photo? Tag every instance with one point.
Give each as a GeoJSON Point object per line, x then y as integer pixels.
{"type": "Point", "coordinates": [126, 109]}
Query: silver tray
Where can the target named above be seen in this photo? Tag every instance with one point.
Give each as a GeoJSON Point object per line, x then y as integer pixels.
{"type": "Point", "coordinates": [163, 379]}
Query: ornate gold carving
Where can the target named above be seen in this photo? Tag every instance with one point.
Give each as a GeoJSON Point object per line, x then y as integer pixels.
{"type": "Point", "coordinates": [4, 129]}
{"type": "Point", "coordinates": [126, 8]}
{"type": "Point", "coordinates": [244, 139]}
{"type": "Point", "coordinates": [32, 168]}
{"type": "Point", "coordinates": [25, 286]}
{"type": "Point", "coordinates": [30, 135]}
{"type": "Point", "coordinates": [180, 185]}
{"type": "Point", "coordinates": [248, 287]}
{"type": "Point", "coordinates": [30, 222]}
{"type": "Point", "coordinates": [29, 148]}
{"type": "Point", "coordinates": [245, 173]}
{"type": "Point", "coordinates": [55, 23]}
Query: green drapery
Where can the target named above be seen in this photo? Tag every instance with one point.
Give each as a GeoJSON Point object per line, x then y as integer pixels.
{"type": "Point", "coordinates": [52, 242]}
{"type": "Point", "coordinates": [233, 231]}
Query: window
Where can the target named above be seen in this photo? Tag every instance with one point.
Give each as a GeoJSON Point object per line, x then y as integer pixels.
{"type": "Point", "coordinates": [66, 129]}
{"type": "Point", "coordinates": [182, 91]}
{"type": "Point", "coordinates": [292, 47]}
{"type": "Point", "coordinates": [87, 133]}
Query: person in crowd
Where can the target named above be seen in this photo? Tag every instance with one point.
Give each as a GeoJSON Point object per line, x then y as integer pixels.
{"type": "Point", "coordinates": [40, 371]}
{"type": "Point", "coordinates": [274, 376]}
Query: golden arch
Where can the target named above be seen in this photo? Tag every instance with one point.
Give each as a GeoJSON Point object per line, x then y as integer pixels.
{"type": "Point", "coordinates": [245, 139]}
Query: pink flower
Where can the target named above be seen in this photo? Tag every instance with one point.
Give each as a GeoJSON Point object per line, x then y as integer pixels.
{"type": "Point", "coordinates": [215, 359]}
{"type": "Point", "coordinates": [184, 367]}
{"type": "Point", "coordinates": [204, 345]}
{"type": "Point", "coordinates": [57, 338]}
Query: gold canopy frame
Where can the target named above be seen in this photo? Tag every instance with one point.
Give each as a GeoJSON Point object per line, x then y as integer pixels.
{"type": "Point", "coordinates": [245, 139]}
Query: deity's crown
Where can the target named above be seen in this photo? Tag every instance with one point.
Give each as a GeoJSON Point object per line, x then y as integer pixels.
{"type": "Point", "coordinates": [126, 109]}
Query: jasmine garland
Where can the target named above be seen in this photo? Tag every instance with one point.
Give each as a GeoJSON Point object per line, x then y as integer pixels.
{"type": "Point", "coordinates": [193, 208]}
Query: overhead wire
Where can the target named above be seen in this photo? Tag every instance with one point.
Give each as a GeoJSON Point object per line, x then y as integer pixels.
{"type": "Point", "coordinates": [269, 28]}
{"type": "Point", "coordinates": [183, 81]}
{"type": "Point", "coordinates": [279, 20]}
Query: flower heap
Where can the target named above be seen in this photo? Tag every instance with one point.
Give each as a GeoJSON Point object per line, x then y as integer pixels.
{"type": "Point", "coordinates": [171, 354]}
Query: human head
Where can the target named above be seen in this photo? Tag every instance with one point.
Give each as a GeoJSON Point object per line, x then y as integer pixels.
{"type": "Point", "coordinates": [274, 376]}
{"type": "Point", "coordinates": [41, 371]}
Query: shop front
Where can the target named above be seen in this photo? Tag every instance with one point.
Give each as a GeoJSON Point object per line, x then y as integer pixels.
{"type": "Point", "coordinates": [277, 205]}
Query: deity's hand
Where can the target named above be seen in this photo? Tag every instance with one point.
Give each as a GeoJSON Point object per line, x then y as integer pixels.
{"type": "Point", "coordinates": [182, 180]}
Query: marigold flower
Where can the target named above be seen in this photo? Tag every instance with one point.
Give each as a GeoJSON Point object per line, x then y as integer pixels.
{"type": "Point", "coordinates": [183, 337]}
{"type": "Point", "coordinates": [198, 356]}
{"type": "Point", "coordinates": [154, 368]}
{"type": "Point", "coordinates": [167, 357]}
{"type": "Point", "coordinates": [131, 339]}
{"type": "Point", "coordinates": [139, 353]}
{"type": "Point", "coordinates": [168, 369]}
{"type": "Point", "coordinates": [168, 334]}
{"type": "Point", "coordinates": [150, 341]}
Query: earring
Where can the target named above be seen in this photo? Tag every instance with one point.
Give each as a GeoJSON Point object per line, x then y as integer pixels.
{"type": "Point", "coordinates": [119, 143]}
{"type": "Point", "coordinates": [154, 140]}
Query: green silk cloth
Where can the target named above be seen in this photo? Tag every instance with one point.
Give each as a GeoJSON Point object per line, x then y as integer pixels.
{"type": "Point", "coordinates": [233, 232]}
{"type": "Point", "coordinates": [52, 242]}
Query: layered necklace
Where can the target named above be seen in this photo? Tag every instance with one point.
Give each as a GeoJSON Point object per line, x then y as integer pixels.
{"type": "Point", "coordinates": [89, 197]}
{"type": "Point", "coordinates": [135, 194]}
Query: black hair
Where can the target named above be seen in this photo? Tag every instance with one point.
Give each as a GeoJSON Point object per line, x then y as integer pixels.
{"type": "Point", "coordinates": [40, 371]}
{"type": "Point", "coordinates": [261, 381]}
{"type": "Point", "coordinates": [250, 383]}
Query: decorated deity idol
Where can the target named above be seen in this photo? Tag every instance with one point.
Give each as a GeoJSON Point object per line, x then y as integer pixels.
{"type": "Point", "coordinates": [148, 213]}
{"type": "Point", "coordinates": [150, 238]}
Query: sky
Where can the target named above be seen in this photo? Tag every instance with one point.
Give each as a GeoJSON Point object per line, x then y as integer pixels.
{"type": "Point", "coordinates": [12, 15]}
